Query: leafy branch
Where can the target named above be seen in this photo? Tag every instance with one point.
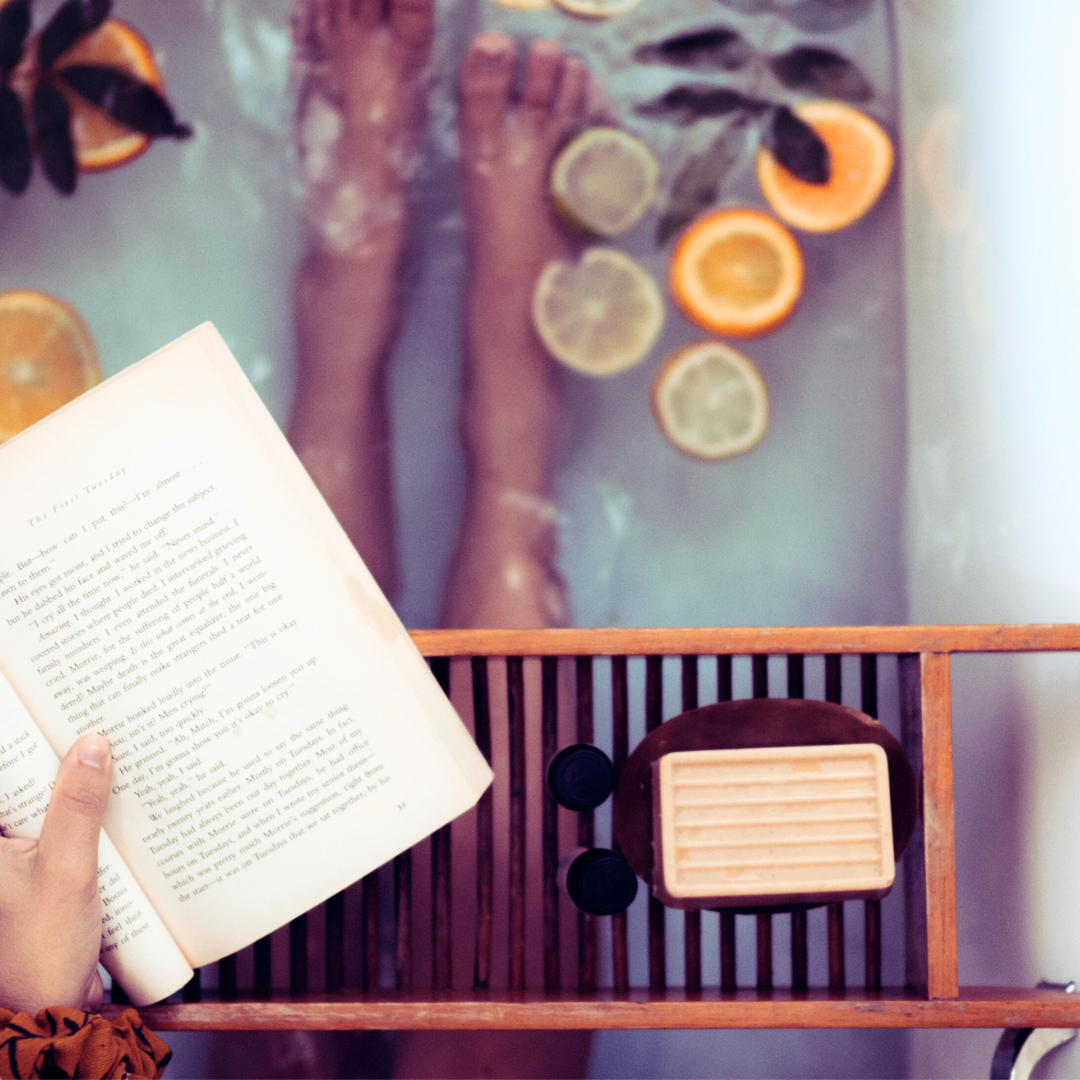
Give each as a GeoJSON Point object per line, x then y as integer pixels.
{"type": "Point", "coordinates": [126, 99]}
{"type": "Point", "coordinates": [723, 50]}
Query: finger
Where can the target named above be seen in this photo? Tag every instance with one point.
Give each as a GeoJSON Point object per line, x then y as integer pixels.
{"type": "Point", "coordinates": [68, 849]}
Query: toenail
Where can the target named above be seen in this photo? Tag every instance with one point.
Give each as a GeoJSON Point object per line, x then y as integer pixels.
{"type": "Point", "coordinates": [491, 58]}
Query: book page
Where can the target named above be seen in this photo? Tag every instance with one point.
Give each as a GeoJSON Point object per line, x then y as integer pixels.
{"type": "Point", "coordinates": [276, 734]}
{"type": "Point", "coordinates": [136, 949]}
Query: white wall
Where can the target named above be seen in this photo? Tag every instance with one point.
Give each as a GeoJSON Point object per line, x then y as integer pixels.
{"type": "Point", "coordinates": [992, 112]}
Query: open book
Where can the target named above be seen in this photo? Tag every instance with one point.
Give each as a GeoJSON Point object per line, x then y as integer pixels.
{"type": "Point", "coordinates": [171, 578]}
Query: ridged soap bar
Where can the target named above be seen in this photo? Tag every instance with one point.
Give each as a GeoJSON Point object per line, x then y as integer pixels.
{"type": "Point", "coordinates": [772, 826]}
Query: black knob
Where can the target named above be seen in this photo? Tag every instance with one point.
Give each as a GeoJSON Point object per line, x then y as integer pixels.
{"type": "Point", "coordinates": [600, 882]}
{"type": "Point", "coordinates": [580, 777]}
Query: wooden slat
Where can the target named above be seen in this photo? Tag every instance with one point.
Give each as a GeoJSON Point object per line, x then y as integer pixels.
{"type": "Point", "coordinates": [837, 965]}
{"type": "Point", "coordinates": [403, 958]}
{"type": "Point", "coordinates": [227, 988]}
{"type": "Point", "coordinates": [549, 740]}
{"type": "Point", "coordinates": [298, 955]}
{"type": "Point", "coordinates": [764, 953]}
{"type": "Point", "coordinates": [485, 829]}
{"type": "Point", "coordinates": [872, 931]}
{"type": "Point", "coordinates": [441, 925]}
{"type": "Point", "coordinates": [689, 672]}
{"type": "Point", "coordinates": [654, 715]}
{"type": "Point", "coordinates": [692, 950]}
{"type": "Point", "coordinates": [335, 942]}
{"type": "Point", "coordinates": [369, 907]}
{"type": "Point", "coordinates": [759, 676]}
{"type": "Point", "coordinates": [723, 678]}
{"type": "Point", "coordinates": [264, 974]}
{"type": "Point", "coordinates": [868, 680]}
{"type": "Point", "coordinates": [833, 688]}
{"type": "Point", "coordinates": [728, 973]}
{"type": "Point", "coordinates": [515, 690]}
{"type": "Point", "coordinates": [620, 746]}
{"type": "Point", "coordinates": [796, 675]}
{"type": "Point", "coordinates": [586, 833]}
{"type": "Point", "coordinates": [930, 862]}
{"type": "Point", "coordinates": [800, 966]}
{"type": "Point", "coordinates": [868, 683]}
{"type": "Point", "coordinates": [192, 990]}
{"type": "Point", "coordinates": [692, 919]}
{"type": "Point", "coordinates": [1041, 637]}
{"type": "Point", "coordinates": [979, 1007]}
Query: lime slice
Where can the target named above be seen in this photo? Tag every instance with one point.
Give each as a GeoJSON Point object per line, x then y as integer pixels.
{"type": "Point", "coordinates": [710, 402]}
{"type": "Point", "coordinates": [598, 9]}
{"type": "Point", "coordinates": [604, 181]}
{"type": "Point", "coordinates": [600, 315]}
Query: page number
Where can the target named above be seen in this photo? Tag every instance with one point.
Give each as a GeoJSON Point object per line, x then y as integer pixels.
{"type": "Point", "coordinates": [400, 806]}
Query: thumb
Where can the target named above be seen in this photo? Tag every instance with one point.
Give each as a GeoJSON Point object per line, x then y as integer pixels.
{"type": "Point", "coordinates": [68, 849]}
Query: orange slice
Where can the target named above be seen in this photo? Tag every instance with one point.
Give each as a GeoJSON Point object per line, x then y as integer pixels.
{"type": "Point", "coordinates": [47, 357]}
{"type": "Point", "coordinates": [100, 142]}
{"type": "Point", "coordinates": [710, 402]}
{"type": "Point", "coordinates": [861, 160]}
{"type": "Point", "coordinates": [737, 272]}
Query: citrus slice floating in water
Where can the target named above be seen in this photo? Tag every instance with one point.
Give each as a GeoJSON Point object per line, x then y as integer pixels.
{"type": "Point", "coordinates": [100, 142]}
{"type": "Point", "coordinates": [710, 402]}
{"type": "Point", "coordinates": [737, 272]}
{"type": "Point", "coordinates": [526, 5]}
{"type": "Point", "coordinates": [861, 162]}
{"type": "Point", "coordinates": [600, 315]}
{"type": "Point", "coordinates": [597, 9]}
{"type": "Point", "coordinates": [47, 358]}
{"type": "Point", "coordinates": [604, 181]}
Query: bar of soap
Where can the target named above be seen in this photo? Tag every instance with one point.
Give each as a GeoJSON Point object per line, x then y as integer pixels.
{"type": "Point", "coordinates": [772, 826]}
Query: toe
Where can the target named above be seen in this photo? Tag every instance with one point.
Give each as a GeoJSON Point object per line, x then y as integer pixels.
{"type": "Point", "coordinates": [543, 72]}
{"type": "Point", "coordinates": [413, 22]}
{"type": "Point", "coordinates": [599, 108]}
{"type": "Point", "coordinates": [572, 95]}
{"type": "Point", "coordinates": [485, 81]}
{"type": "Point", "coordinates": [365, 13]}
{"type": "Point", "coordinates": [309, 22]}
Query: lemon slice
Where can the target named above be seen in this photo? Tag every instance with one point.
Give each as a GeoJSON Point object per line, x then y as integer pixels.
{"type": "Point", "coordinates": [597, 9]}
{"type": "Point", "coordinates": [861, 162]}
{"type": "Point", "coordinates": [526, 5]}
{"type": "Point", "coordinates": [737, 272]}
{"type": "Point", "coordinates": [710, 402]}
{"type": "Point", "coordinates": [604, 181]}
{"type": "Point", "coordinates": [600, 315]}
{"type": "Point", "coordinates": [47, 357]}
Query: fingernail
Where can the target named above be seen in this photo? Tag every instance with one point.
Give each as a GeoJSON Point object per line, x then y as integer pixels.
{"type": "Point", "coordinates": [94, 751]}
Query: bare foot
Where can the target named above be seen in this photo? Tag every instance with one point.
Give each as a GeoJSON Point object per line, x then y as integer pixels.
{"type": "Point", "coordinates": [503, 573]}
{"type": "Point", "coordinates": [361, 70]}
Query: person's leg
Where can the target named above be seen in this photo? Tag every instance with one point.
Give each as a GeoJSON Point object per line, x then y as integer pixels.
{"type": "Point", "coordinates": [503, 572]}
{"type": "Point", "coordinates": [361, 70]}
{"type": "Point", "coordinates": [362, 83]}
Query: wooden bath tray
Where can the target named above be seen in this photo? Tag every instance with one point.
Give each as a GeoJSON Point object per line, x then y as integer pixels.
{"type": "Point", "coordinates": [348, 966]}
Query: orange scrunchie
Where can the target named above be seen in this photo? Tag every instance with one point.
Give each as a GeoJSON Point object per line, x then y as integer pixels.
{"type": "Point", "coordinates": [68, 1042]}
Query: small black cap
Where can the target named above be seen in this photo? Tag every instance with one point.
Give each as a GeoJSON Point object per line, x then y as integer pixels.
{"type": "Point", "coordinates": [580, 777]}
{"type": "Point", "coordinates": [601, 882]}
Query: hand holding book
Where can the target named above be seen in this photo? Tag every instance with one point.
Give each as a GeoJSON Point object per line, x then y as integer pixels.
{"type": "Point", "coordinates": [171, 578]}
{"type": "Point", "coordinates": [50, 909]}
